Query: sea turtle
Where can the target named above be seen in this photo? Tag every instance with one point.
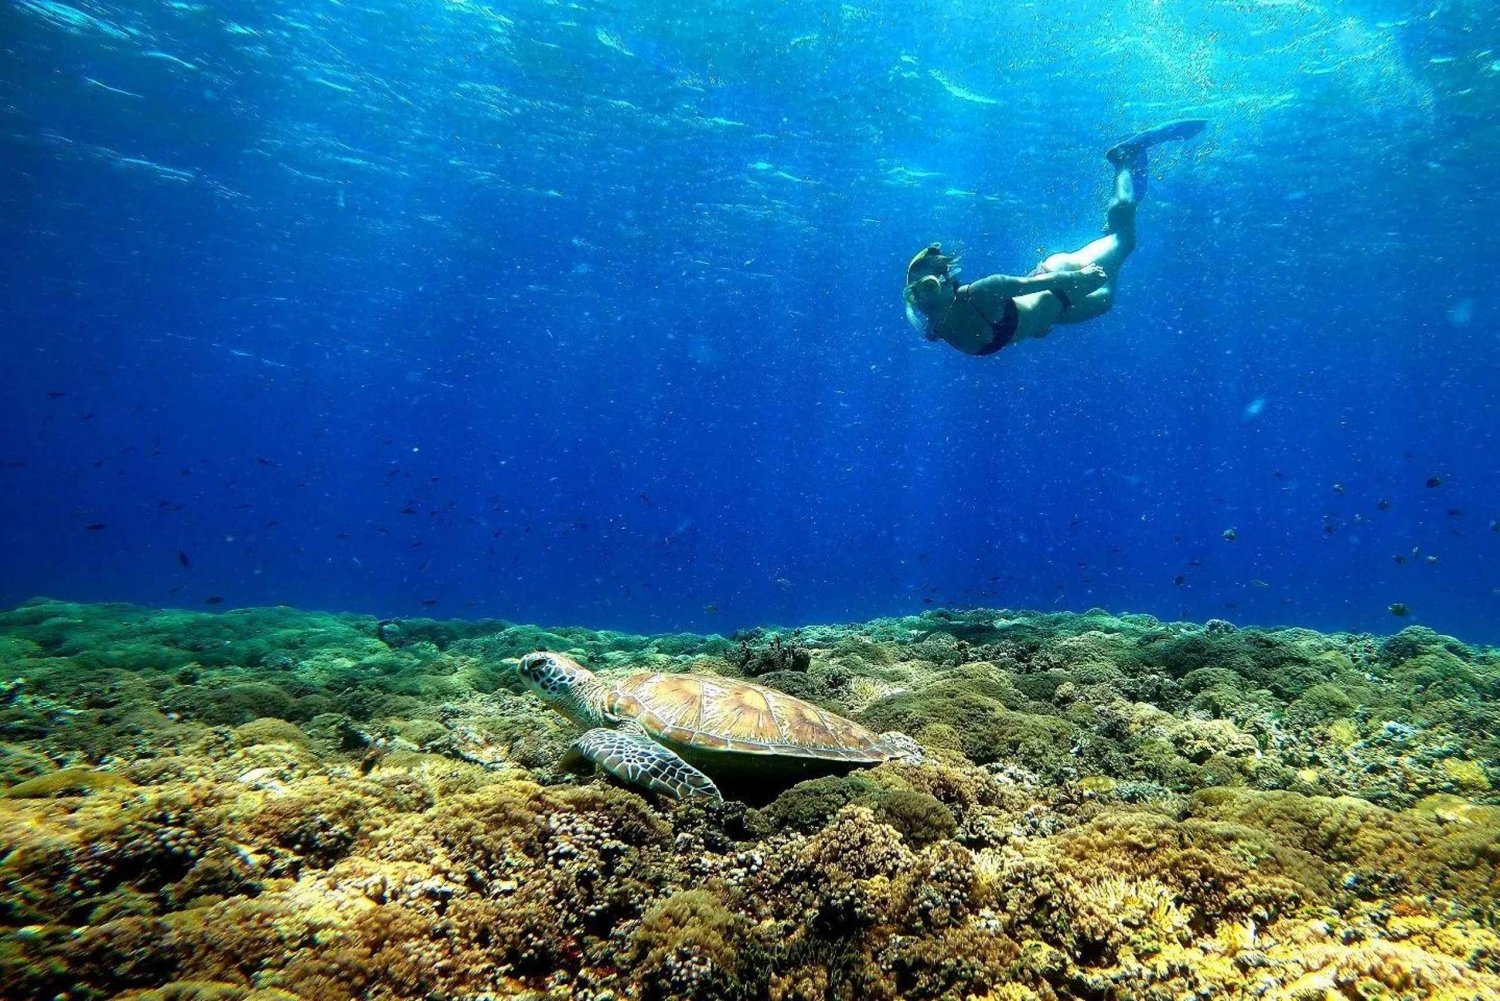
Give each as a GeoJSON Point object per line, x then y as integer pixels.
{"type": "Point", "coordinates": [657, 730]}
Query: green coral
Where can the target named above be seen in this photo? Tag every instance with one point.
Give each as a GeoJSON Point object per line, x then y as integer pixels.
{"type": "Point", "coordinates": [273, 804]}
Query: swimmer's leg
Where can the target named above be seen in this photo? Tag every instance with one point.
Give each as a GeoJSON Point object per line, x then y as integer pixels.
{"type": "Point", "coordinates": [1110, 250]}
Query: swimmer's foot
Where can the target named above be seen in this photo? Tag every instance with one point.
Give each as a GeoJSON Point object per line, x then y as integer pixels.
{"type": "Point", "coordinates": [1181, 128]}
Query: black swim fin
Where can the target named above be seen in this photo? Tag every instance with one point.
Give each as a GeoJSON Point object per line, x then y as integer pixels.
{"type": "Point", "coordinates": [1181, 128]}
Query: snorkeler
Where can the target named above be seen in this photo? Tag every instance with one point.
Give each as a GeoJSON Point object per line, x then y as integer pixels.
{"type": "Point", "coordinates": [984, 316]}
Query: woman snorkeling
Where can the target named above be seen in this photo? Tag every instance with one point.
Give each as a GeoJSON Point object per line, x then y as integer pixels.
{"type": "Point", "coordinates": [984, 316]}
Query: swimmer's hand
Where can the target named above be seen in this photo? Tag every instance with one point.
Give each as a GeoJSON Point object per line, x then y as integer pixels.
{"type": "Point", "coordinates": [1083, 281]}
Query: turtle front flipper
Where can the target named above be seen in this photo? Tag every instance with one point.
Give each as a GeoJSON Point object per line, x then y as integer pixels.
{"type": "Point", "coordinates": [631, 756]}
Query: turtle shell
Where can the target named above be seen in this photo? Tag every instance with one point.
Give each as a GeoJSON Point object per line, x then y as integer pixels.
{"type": "Point", "coordinates": [722, 715]}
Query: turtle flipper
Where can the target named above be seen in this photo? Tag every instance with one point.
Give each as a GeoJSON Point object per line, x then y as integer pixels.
{"type": "Point", "coordinates": [634, 758]}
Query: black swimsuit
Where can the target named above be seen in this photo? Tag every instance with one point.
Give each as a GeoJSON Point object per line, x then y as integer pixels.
{"type": "Point", "coordinates": [1004, 328]}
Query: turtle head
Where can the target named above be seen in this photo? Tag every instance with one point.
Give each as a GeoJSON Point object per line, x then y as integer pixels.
{"type": "Point", "coordinates": [566, 686]}
{"type": "Point", "coordinates": [902, 748]}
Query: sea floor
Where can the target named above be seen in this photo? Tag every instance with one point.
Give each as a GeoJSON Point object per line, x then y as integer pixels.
{"type": "Point", "coordinates": [278, 804]}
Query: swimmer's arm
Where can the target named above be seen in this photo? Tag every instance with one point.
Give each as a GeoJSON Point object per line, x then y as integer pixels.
{"type": "Point", "coordinates": [996, 287]}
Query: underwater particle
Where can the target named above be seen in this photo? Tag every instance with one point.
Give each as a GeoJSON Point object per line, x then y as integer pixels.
{"type": "Point", "coordinates": [1383, 504]}
{"type": "Point", "coordinates": [1461, 313]}
{"type": "Point", "coordinates": [96, 526]}
{"type": "Point", "coordinates": [1433, 482]}
{"type": "Point", "coordinates": [213, 599]}
{"type": "Point", "coordinates": [1254, 408]}
{"type": "Point", "coordinates": [1229, 535]}
{"type": "Point", "coordinates": [182, 560]}
{"type": "Point", "coordinates": [1399, 609]}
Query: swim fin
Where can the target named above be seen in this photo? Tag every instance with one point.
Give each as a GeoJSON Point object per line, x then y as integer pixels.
{"type": "Point", "coordinates": [1181, 128]}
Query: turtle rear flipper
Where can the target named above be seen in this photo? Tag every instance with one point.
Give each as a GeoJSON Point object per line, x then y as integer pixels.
{"type": "Point", "coordinates": [636, 759]}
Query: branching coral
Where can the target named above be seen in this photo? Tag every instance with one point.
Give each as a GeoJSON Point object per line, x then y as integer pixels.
{"type": "Point", "coordinates": [274, 805]}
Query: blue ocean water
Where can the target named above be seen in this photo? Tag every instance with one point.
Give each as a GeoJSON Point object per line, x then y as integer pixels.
{"type": "Point", "coordinates": [590, 312]}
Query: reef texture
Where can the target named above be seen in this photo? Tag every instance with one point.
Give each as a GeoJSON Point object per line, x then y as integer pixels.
{"type": "Point", "coordinates": [274, 804]}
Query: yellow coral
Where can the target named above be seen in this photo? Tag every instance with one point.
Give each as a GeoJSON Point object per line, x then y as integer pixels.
{"type": "Point", "coordinates": [1337, 970]}
{"type": "Point", "coordinates": [1342, 733]}
{"type": "Point", "coordinates": [1120, 911]}
{"type": "Point", "coordinates": [1007, 992]}
{"type": "Point", "coordinates": [1467, 776]}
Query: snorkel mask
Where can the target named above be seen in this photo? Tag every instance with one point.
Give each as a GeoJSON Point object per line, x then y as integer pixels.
{"type": "Point", "coordinates": [929, 265]}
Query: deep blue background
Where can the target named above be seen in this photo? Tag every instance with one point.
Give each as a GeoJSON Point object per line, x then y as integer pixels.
{"type": "Point", "coordinates": [458, 309]}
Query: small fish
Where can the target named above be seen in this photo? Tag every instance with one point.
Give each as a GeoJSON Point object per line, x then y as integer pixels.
{"type": "Point", "coordinates": [55, 394]}
{"type": "Point", "coordinates": [182, 559]}
{"type": "Point", "coordinates": [1494, 525]}
{"type": "Point", "coordinates": [429, 602]}
{"type": "Point", "coordinates": [1432, 561]}
{"type": "Point", "coordinates": [1383, 504]}
{"type": "Point", "coordinates": [1400, 560]}
{"type": "Point", "coordinates": [711, 609]}
{"type": "Point", "coordinates": [1455, 512]}
{"type": "Point", "coordinates": [264, 461]}
{"type": "Point", "coordinates": [1338, 488]}
{"type": "Point", "coordinates": [646, 499]}
{"type": "Point", "coordinates": [1399, 609]}
{"type": "Point", "coordinates": [1259, 583]}
{"type": "Point", "coordinates": [1229, 535]}
{"type": "Point", "coordinates": [97, 526]}
{"type": "Point", "coordinates": [1180, 580]}
{"type": "Point", "coordinates": [1434, 482]}
{"type": "Point", "coordinates": [213, 599]}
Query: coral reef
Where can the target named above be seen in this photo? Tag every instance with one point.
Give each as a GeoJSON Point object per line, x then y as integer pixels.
{"type": "Point", "coordinates": [275, 805]}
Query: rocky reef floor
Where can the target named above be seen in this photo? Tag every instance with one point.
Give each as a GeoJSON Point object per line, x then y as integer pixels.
{"type": "Point", "coordinates": [277, 804]}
